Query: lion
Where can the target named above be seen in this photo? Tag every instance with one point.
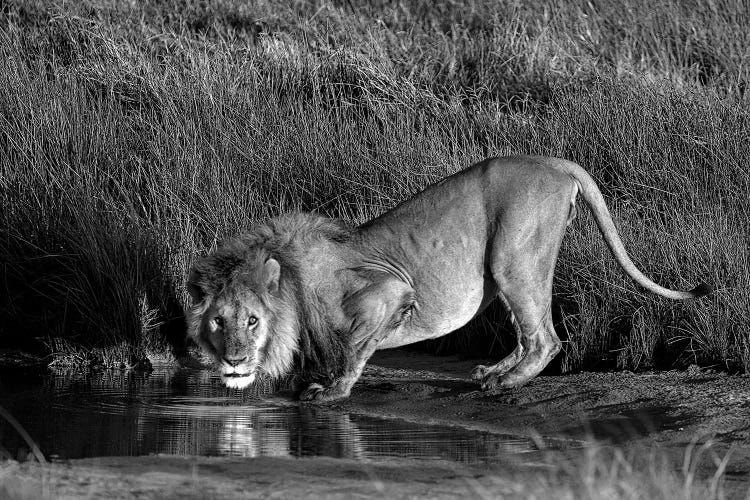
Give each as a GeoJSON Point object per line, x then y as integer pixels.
{"type": "Point", "coordinates": [308, 293]}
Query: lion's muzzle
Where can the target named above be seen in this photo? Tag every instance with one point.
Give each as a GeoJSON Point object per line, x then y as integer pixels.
{"type": "Point", "coordinates": [233, 361]}
{"type": "Point", "coordinates": [237, 381]}
{"type": "Point", "coordinates": [237, 373]}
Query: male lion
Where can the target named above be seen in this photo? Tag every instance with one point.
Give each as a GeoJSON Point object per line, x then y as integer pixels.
{"type": "Point", "coordinates": [307, 291]}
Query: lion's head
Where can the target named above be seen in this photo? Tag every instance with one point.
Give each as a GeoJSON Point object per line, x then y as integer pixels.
{"type": "Point", "coordinates": [255, 306]}
{"type": "Point", "coordinates": [255, 309]}
{"type": "Point", "coordinates": [241, 315]}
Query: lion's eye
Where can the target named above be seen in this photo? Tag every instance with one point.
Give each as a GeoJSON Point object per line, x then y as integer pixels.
{"type": "Point", "coordinates": [219, 321]}
{"type": "Point", "coordinates": [252, 320]}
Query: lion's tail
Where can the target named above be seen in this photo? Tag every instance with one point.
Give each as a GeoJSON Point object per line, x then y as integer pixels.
{"type": "Point", "coordinates": [594, 199]}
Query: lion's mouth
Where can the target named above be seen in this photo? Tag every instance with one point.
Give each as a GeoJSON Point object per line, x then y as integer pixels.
{"type": "Point", "coordinates": [237, 380]}
{"type": "Point", "coordinates": [237, 377]}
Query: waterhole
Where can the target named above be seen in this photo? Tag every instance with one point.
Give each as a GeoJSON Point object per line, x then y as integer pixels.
{"type": "Point", "coordinates": [189, 412]}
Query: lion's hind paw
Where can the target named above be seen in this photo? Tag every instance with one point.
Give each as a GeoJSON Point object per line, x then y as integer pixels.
{"type": "Point", "coordinates": [490, 382]}
{"type": "Point", "coordinates": [479, 372]}
{"type": "Point", "coordinates": [494, 381]}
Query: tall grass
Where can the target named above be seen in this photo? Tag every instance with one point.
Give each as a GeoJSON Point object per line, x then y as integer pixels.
{"type": "Point", "coordinates": [135, 136]}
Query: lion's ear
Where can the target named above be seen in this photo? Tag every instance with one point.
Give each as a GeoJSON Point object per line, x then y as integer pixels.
{"type": "Point", "coordinates": [197, 293]}
{"type": "Point", "coordinates": [271, 272]}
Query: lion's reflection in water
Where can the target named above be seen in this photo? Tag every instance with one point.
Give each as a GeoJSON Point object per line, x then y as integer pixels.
{"type": "Point", "coordinates": [253, 436]}
{"type": "Point", "coordinates": [291, 434]}
{"type": "Point", "coordinates": [192, 413]}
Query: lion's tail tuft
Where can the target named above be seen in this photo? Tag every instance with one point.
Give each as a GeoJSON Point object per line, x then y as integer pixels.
{"type": "Point", "coordinates": [701, 290]}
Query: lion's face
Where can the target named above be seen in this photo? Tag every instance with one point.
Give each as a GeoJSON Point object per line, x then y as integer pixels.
{"type": "Point", "coordinates": [234, 330]}
{"type": "Point", "coordinates": [241, 317]}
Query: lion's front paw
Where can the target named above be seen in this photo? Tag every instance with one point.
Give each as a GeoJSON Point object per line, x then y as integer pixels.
{"type": "Point", "coordinates": [479, 372]}
{"type": "Point", "coordinates": [311, 392]}
{"type": "Point", "coordinates": [317, 392]}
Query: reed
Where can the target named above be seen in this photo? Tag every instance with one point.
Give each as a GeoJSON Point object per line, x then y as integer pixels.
{"type": "Point", "coordinates": [135, 136]}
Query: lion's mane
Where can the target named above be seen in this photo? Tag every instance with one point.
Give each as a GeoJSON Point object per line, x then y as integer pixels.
{"type": "Point", "coordinates": [299, 331]}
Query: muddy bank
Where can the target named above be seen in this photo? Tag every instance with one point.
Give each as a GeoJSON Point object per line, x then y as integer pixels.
{"type": "Point", "coordinates": [669, 407]}
{"type": "Point", "coordinates": [268, 477]}
{"type": "Point", "coordinates": [643, 419]}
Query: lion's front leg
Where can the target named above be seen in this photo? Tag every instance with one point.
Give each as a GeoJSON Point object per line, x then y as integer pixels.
{"type": "Point", "coordinates": [376, 311]}
{"type": "Point", "coordinates": [342, 386]}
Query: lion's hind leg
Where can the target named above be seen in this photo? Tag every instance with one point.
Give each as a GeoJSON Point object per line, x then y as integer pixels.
{"type": "Point", "coordinates": [523, 261]}
{"type": "Point", "coordinates": [526, 285]}
{"type": "Point", "coordinates": [507, 363]}
{"type": "Point", "coordinates": [537, 345]}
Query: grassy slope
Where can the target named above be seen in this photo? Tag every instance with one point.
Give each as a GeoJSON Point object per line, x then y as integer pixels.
{"type": "Point", "coordinates": [136, 135]}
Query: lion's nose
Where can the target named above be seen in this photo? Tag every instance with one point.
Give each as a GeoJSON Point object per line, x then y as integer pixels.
{"type": "Point", "coordinates": [234, 361]}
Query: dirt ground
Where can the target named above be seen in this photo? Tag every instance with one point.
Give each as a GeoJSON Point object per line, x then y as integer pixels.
{"type": "Point", "coordinates": [664, 411]}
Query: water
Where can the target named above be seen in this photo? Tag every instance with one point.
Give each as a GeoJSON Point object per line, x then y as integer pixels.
{"type": "Point", "coordinates": [184, 412]}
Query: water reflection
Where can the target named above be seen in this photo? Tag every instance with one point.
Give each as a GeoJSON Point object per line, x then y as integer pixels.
{"type": "Point", "coordinates": [186, 412]}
